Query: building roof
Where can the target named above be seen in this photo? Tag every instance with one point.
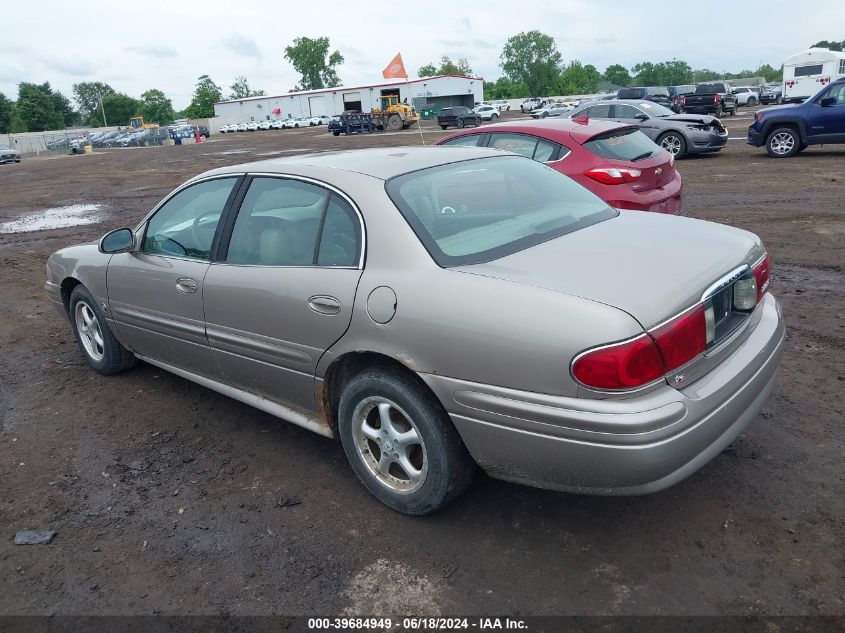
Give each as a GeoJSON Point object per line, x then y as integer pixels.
{"type": "Point", "coordinates": [382, 162]}
{"type": "Point", "coordinates": [346, 88]}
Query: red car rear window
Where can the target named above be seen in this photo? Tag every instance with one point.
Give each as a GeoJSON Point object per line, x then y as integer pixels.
{"type": "Point", "coordinates": [625, 144]}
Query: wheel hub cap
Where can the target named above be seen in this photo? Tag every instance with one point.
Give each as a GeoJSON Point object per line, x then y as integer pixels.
{"type": "Point", "coordinates": [90, 334]}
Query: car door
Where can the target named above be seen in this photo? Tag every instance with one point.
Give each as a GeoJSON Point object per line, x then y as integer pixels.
{"type": "Point", "coordinates": [155, 292]}
{"type": "Point", "coordinates": [632, 115]}
{"type": "Point", "coordinates": [283, 293]}
{"type": "Point", "coordinates": [827, 123]}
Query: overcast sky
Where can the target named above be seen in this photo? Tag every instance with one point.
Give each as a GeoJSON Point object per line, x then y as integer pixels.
{"type": "Point", "coordinates": [167, 45]}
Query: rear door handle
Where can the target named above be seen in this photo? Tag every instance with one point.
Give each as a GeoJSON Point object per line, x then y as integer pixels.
{"type": "Point", "coordinates": [186, 285]}
{"type": "Point", "coordinates": [324, 304]}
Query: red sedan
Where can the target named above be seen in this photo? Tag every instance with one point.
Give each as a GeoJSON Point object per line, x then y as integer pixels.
{"type": "Point", "coordinates": [617, 162]}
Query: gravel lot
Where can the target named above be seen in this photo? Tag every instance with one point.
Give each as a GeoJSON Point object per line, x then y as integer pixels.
{"type": "Point", "coordinates": [165, 495]}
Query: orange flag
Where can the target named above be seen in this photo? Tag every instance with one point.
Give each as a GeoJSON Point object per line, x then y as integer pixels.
{"type": "Point", "coordinates": [395, 69]}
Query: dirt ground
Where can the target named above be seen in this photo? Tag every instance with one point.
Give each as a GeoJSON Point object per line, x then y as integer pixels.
{"type": "Point", "coordinates": [165, 495]}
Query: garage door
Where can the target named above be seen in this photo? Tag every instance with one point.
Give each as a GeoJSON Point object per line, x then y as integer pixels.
{"type": "Point", "coordinates": [317, 105]}
{"type": "Point", "coordinates": [352, 101]}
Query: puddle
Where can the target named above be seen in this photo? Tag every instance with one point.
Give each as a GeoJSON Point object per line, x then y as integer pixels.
{"type": "Point", "coordinates": [55, 218]}
{"type": "Point", "coordinates": [235, 151]}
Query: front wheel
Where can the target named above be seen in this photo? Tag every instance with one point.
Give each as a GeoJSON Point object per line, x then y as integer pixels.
{"type": "Point", "coordinates": [783, 142]}
{"type": "Point", "coordinates": [101, 349]}
{"type": "Point", "coordinates": [494, 116]}
{"type": "Point", "coordinates": [673, 143]}
{"type": "Point", "coordinates": [751, 102]}
{"type": "Point", "coordinates": [401, 442]}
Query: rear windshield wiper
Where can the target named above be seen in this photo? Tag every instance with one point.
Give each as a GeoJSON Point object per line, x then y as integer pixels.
{"type": "Point", "coordinates": [642, 156]}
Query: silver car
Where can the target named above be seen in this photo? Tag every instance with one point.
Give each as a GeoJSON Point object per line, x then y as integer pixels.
{"type": "Point", "coordinates": [441, 308]}
{"type": "Point", "coordinates": [9, 154]}
{"type": "Point", "coordinates": [678, 134]}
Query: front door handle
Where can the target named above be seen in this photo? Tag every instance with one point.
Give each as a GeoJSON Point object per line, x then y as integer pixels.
{"type": "Point", "coordinates": [186, 285]}
{"type": "Point", "coordinates": [324, 304]}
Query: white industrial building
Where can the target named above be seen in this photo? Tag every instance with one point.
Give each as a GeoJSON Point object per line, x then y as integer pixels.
{"type": "Point", "coordinates": [428, 92]}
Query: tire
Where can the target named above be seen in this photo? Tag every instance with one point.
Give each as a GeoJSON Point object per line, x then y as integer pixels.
{"type": "Point", "coordinates": [718, 112]}
{"type": "Point", "coordinates": [544, 115]}
{"type": "Point", "coordinates": [99, 346]}
{"type": "Point", "coordinates": [802, 147]}
{"type": "Point", "coordinates": [494, 116]}
{"type": "Point", "coordinates": [674, 143]}
{"type": "Point", "coordinates": [732, 111]}
{"type": "Point", "coordinates": [459, 123]}
{"type": "Point", "coordinates": [442, 469]}
{"type": "Point", "coordinates": [336, 133]}
{"type": "Point", "coordinates": [395, 123]}
{"type": "Point", "coordinates": [443, 127]}
{"type": "Point", "coordinates": [783, 142]}
{"type": "Point", "coordinates": [751, 102]}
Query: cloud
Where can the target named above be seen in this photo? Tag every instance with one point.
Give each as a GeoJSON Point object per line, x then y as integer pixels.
{"type": "Point", "coordinates": [467, 23]}
{"type": "Point", "coordinates": [242, 45]}
{"type": "Point", "coordinates": [464, 43]}
{"type": "Point", "coordinates": [162, 52]}
{"type": "Point", "coordinates": [74, 67]}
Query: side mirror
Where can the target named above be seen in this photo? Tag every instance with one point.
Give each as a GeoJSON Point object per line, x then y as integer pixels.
{"type": "Point", "coordinates": [827, 102]}
{"type": "Point", "coordinates": [642, 117]}
{"type": "Point", "coordinates": [117, 241]}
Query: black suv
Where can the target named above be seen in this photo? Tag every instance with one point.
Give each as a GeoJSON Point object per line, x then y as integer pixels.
{"type": "Point", "coordinates": [459, 116]}
{"type": "Point", "coordinates": [646, 93]}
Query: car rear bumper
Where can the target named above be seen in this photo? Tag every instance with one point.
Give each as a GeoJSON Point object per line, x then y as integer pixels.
{"type": "Point", "coordinates": [631, 446]}
{"type": "Point", "coordinates": [666, 199]}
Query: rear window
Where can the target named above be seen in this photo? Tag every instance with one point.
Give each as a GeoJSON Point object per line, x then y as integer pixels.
{"type": "Point", "coordinates": [623, 144]}
{"type": "Point", "coordinates": [468, 140]}
{"type": "Point", "coordinates": [478, 210]}
{"type": "Point", "coordinates": [631, 93]}
{"type": "Point", "coordinates": [807, 71]}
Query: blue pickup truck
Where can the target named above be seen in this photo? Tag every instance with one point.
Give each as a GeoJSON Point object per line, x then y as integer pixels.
{"type": "Point", "coordinates": [788, 129]}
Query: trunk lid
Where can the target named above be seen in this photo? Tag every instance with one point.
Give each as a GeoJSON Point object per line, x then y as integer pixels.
{"type": "Point", "coordinates": [656, 171]}
{"type": "Point", "coordinates": [647, 264]}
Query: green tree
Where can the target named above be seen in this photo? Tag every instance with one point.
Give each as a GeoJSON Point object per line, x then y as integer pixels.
{"type": "Point", "coordinates": [36, 107]}
{"type": "Point", "coordinates": [241, 90]}
{"type": "Point", "coordinates": [156, 107]}
{"type": "Point", "coordinates": [532, 58]}
{"type": "Point", "coordinates": [617, 74]}
{"type": "Point", "coordinates": [834, 46]}
{"type": "Point", "coordinates": [447, 67]}
{"type": "Point", "coordinates": [87, 96]}
{"type": "Point", "coordinates": [7, 110]}
{"type": "Point", "coordinates": [311, 59]}
{"type": "Point", "coordinates": [120, 108]}
{"type": "Point", "coordinates": [705, 74]}
{"type": "Point", "coordinates": [504, 88]}
{"type": "Point", "coordinates": [671, 73]}
{"type": "Point", "coordinates": [429, 70]}
{"type": "Point", "coordinates": [206, 94]}
{"type": "Point", "coordinates": [63, 106]}
{"type": "Point", "coordinates": [770, 73]}
{"type": "Point", "coordinates": [578, 79]}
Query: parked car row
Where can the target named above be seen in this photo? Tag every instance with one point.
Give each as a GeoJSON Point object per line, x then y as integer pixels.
{"type": "Point", "coordinates": [275, 124]}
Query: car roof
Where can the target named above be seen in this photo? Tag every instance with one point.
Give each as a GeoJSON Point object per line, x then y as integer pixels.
{"type": "Point", "coordinates": [382, 163]}
{"type": "Point", "coordinates": [579, 131]}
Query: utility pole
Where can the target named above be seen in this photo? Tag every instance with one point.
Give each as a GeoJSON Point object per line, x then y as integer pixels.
{"type": "Point", "coordinates": [102, 109]}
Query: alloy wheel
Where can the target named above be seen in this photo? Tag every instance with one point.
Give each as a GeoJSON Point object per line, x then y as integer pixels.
{"type": "Point", "coordinates": [671, 144]}
{"type": "Point", "coordinates": [782, 143]}
{"type": "Point", "coordinates": [89, 330]}
{"type": "Point", "coordinates": [389, 444]}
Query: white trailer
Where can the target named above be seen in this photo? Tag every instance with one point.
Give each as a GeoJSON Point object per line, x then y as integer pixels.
{"type": "Point", "coordinates": [804, 74]}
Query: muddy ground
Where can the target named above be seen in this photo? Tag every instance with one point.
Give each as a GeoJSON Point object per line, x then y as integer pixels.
{"type": "Point", "coordinates": [165, 495]}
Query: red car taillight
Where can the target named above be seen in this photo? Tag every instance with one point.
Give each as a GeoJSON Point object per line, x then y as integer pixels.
{"type": "Point", "coordinates": [762, 271]}
{"type": "Point", "coordinates": [715, 99]}
{"type": "Point", "coordinates": [613, 175]}
{"type": "Point", "coordinates": [621, 366]}
{"type": "Point", "coordinates": [681, 339]}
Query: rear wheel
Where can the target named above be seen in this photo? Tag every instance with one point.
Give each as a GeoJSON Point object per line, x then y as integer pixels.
{"type": "Point", "coordinates": [459, 123]}
{"type": "Point", "coordinates": [674, 143]}
{"type": "Point", "coordinates": [394, 123]}
{"type": "Point", "coordinates": [401, 442]}
{"type": "Point", "coordinates": [101, 349]}
{"type": "Point", "coordinates": [751, 102]}
{"type": "Point", "coordinates": [783, 142]}
{"type": "Point", "coordinates": [718, 112]}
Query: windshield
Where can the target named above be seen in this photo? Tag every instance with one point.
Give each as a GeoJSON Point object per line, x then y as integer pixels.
{"type": "Point", "coordinates": [479, 210]}
{"type": "Point", "coordinates": [4, 146]}
{"type": "Point", "coordinates": [655, 109]}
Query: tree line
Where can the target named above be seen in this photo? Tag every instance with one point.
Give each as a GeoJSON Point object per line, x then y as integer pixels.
{"type": "Point", "coordinates": [530, 61]}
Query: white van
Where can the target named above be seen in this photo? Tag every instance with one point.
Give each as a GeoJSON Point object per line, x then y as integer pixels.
{"type": "Point", "coordinates": [804, 74]}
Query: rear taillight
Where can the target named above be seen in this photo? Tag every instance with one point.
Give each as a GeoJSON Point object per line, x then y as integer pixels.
{"type": "Point", "coordinates": [762, 271]}
{"type": "Point", "coordinates": [683, 100]}
{"type": "Point", "coordinates": [681, 339]}
{"type": "Point", "coordinates": [715, 98]}
{"type": "Point", "coordinates": [621, 366]}
{"type": "Point", "coordinates": [613, 175]}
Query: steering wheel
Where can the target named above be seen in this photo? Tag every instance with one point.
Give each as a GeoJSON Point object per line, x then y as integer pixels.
{"type": "Point", "coordinates": [196, 232]}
